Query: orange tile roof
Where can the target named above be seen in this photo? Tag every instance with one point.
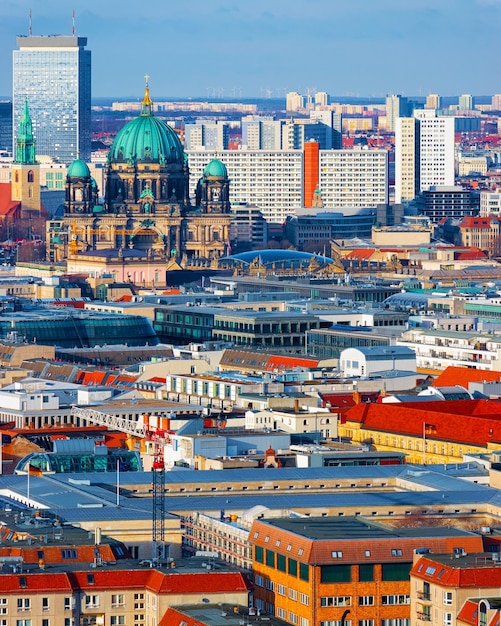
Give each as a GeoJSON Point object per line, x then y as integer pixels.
{"type": "Point", "coordinates": [360, 254]}
{"type": "Point", "coordinates": [454, 375]}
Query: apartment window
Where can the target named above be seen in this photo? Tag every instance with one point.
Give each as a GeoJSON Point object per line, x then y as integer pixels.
{"type": "Point", "coordinates": [282, 613]}
{"type": "Point", "coordinates": [45, 604]}
{"type": "Point", "coordinates": [395, 571]}
{"type": "Point", "coordinates": [337, 622]}
{"type": "Point", "coordinates": [115, 620]}
{"type": "Point", "coordinates": [304, 572]}
{"type": "Point", "coordinates": [69, 621]}
{"type": "Point", "coordinates": [292, 594]}
{"type": "Point", "coordinates": [304, 599]}
{"type": "Point", "coordinates": [336, 554]}
{"type": "Point", "coordinates": [259, 554]}
{"type": "Point", "coordinates": [270, 585]}
{"type": "Point", "coordinates": [259, 580]}
{"type": "Point", "coordinates": [23, 604]}
{"type": "Point", "coordinates": [139, 617]}
{"type": "Point", "coordinates": [402, 621]}
{"type": "Point", "coordinates": [139, 596]}
{"type": "Point", "coordinates": [281, 589]}
{"type": "Point", "coordinates": [448, 597]}
{"type": "Point", "coordinates": [23, 622]}
{"type": "Point", "coordinates": [303, 621]}
{"type": "Point", "coordinates": [281, 563]}
{"type": "Point", "coordinates": [292, 567]}
{"type": "Point", "coordinates": [270, 558]}
{"type": "Point", "coordinates": [68, 604]}
{"type": "Point", "coordinates": [45, 622]}
{"type": "Point", "coordinates": [447, 619]}
{"type": "Point", "coordinates": [396, 552]}
{"type": "Point", "coordinates": [292, 618]}
{"type": "Point", "coordinates": [138, 606]}
{"type": "Point", "coordinates": [118, 599]}
{"type": "Point", "coordinates": [91, 602]}
{"type": "Point", "coordinates": [366, 600]}
{"type": "Point", "coordinates": [365, 622]}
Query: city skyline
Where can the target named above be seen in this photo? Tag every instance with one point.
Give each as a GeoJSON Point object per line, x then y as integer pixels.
{"type": "Point", "coordinates": [255, 49]}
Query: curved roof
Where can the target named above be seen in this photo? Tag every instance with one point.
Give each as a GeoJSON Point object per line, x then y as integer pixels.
{"type": "Point", "coordinates": [216, 168]}
{"type": "Point", "coordinates": [78, 169]}
{"type": "Point", "coordinates": [268, 257]}
{"type": "Point", "coordinates": [147, 139]}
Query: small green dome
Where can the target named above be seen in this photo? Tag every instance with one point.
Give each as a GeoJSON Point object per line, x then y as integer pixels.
{"type": "Point", "coordinates": [93, 183]}
{"type": "Point", "coordinates": [147, 139]}
{"type": "Point", "coordinates": [78, 169]}
{"type": "Point", "coordinates": [216, 168]}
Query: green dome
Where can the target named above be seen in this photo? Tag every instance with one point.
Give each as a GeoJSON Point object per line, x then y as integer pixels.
{"type": "Point", "coordinates": [78, 169]}
{"type": "Point", "coordinates": [149, 140]}
{"type": "Point", "coordinates": [216, 168]}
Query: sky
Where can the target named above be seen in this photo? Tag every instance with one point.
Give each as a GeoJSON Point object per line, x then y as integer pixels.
{"type": "Point", "coordinates": [260, 48]}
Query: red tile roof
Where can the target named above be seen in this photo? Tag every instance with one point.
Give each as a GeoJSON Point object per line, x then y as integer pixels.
{"type": "Point", "coordinates": [468, 612]}
{"type": "Point", "coordinates": [474, 422]}
{"type": "Point", "coordinates": [477, 222]}
{"type": "Point", "coordinates": [288, 362]}
{"type": "Point", "coordinates": [458, 574]}
{"type": "Point", "coordinates": [7, 205]}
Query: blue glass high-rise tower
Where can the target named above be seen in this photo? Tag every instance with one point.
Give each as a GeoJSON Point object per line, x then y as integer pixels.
{"type": "Point", "coordinates": [53, 73]}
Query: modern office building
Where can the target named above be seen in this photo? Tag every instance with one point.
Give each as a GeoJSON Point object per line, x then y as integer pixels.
{"type": "Point", "coordinates": [490, 203]}
{"type": "Point", "coordinates": [53, 73]}
{"type": "Point", "coordinates": [447, 201]}
{"type": "Point", "coordinates": [5, 126]}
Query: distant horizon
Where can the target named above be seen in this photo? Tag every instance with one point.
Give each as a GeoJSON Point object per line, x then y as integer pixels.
{"type": "Point", "coordinates": [486, 99]}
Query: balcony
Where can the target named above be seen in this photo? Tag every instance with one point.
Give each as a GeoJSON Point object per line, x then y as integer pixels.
{"type": "Point", "coordinates": [424, 595]}
{"type": "Point", "coordinates": [424, 617]}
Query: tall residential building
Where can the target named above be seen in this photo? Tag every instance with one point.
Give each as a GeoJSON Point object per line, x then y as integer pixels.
{"type": "Point", "coordinates": [496, 102]}
{"type": "Point", "coordinates": [334, 121]}
{"type": "Point", "coordinates": [436, 150]}
{"type": "Point", "coordinates": [271, 180]}
{"type": "Point", "coordinates": [433, 101]}
{"type": "Point", "coordinates": [406, 163]}
{"type": "Point", "coordinates": [294, 101]}
{"type": "Point", "coordinates": [261, 133]}
{"type": "Point", "coordinates": [424, 154]}
{"type": "Point", "coordinates": [465, 102]}
{"type": "Point", "coordinates": [353, 179]}
{"type": "Point", "coordinates": [208, 135]}
{"type": "Point", "coordinates": [322, 99]}
{"type": "Point", "coordinates": [54, 74]}
{"type": "Point", "coordinates": [396, 106]}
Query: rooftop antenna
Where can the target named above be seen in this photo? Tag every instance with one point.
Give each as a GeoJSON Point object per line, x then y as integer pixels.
{"type": "Point", "coordinates": [73, 22]}
{"type": "Point", "coordinates": [30, 29]}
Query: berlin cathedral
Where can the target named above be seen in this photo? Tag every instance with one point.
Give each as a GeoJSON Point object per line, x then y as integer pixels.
{"type": "Point", "coordinates": [146, 200]}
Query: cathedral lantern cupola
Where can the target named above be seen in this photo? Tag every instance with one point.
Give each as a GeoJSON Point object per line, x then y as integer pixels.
{"type": "Point", "coordinates": [213, 189]}
{"type": "Point", "coordinates": [81, 189]}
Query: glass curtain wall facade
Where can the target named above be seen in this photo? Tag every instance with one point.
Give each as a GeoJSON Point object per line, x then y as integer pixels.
{"type": "Point", "coordinates": [54, 74]}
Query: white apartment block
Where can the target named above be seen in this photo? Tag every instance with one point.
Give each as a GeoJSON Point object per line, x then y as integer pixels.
{"type": "Point", "coordinates": [353, 179]}
{"type": "Point", "coordinates": [271, 180]}
{"type": "Point", "coordinates": [406, 132]}
{"type": "Point", "coordinates": [490, 203]}
{"type": "Point", "coordinates": [436, 349]}
{"type": "Point", "coordinates": [436, 149]}
{"type": "Point", "coordinates": [294, 101]}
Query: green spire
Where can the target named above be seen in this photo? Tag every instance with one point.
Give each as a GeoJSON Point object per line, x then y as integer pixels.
{"type": "Point", "coordinates": [25, 143]}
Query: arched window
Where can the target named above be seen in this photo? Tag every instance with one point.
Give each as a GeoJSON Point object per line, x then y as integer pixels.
{"type": "Point", "coordinates": [31, 176]}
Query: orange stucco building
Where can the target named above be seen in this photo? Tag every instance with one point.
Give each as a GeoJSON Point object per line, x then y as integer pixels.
{"type": "Point", "coordinates": [328, 571]}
